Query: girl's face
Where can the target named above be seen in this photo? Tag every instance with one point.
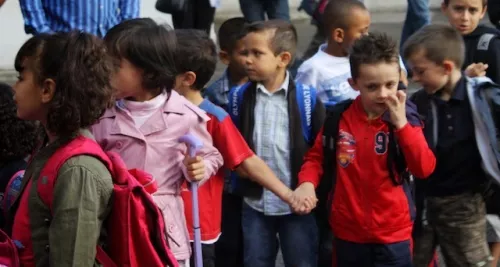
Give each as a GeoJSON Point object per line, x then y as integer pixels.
{"type": "Point", "coordinates": [29, 96]}
{"type": "Point", "coordinates": [127, 81]}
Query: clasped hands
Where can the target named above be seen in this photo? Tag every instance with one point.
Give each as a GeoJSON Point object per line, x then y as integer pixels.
{"type": "Point", "coordinates": [303, 199]}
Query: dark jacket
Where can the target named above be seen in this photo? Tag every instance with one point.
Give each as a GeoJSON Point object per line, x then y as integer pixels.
{"type": "Point", "coordinates": [494, 12]}
{"type": "Point", "coordinates": [298, 144]}
{"type": "Point", "coordinates": [481, 48]}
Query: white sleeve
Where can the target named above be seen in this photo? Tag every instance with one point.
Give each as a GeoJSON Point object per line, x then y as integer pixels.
{"type": "Point", "coordinates": [307, 75]}
{"type": "Point", "coordinates": [402, 65]}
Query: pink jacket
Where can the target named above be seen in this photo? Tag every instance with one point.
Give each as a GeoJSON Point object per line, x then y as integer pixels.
{"type": "Point", "coordinates": [154, 148]}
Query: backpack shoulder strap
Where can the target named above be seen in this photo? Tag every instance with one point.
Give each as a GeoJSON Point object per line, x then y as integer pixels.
{"type": "Point", "coordinates": [395, 160]}
{"type": "Point", "coordinates": [330, 132]}
{"type": "Point", "coordinates": [483, 47]}
{"type": "Point", "coordinates": [306, 100]}
{"type": "Point", "coordinates": [79, 146]}
{"type": "Point", "coordinates": [235, 98]}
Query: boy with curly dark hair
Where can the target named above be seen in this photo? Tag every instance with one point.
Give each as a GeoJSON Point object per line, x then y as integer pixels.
{"type": "Point", "coordinates": [17, 142]}
{"type": "Point", "coordinates": [64, 84]}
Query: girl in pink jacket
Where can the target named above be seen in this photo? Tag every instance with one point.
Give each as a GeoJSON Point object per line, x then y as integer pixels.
{"type": "Point", "coordinates": [148, 118]}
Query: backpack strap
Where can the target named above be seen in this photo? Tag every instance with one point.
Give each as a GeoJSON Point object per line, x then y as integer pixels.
{"type": "Point", "coordinates": [395, 160]}
{"type": "Point", "coordinates": [45, 186]}
{"type": "Point", "coordinates": [306, 100]}
{"type": "Point", "coordinates": [330, 131]}
{"type": "Point", "coordinates": [483, 46]}
{"type": "Point", "coordinates": [79, 146]}
{"type": "Point", "coordinates": [235, 98]}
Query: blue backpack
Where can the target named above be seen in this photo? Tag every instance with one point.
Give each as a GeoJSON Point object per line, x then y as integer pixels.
{"type": "Point", "coordinates": [306, 100]}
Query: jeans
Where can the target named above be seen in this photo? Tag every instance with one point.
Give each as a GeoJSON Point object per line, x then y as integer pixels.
{"type": "Point", "coordinates": [417, 16]}
{"type": "Point", "coordinates": [256, 10]}
{"type": "Point", "coordinates": [298, 238]}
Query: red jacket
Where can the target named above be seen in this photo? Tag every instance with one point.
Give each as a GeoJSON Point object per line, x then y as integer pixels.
{"type": "Point", "coordinates": [367, 207]}
{"type": "Point", "coordinates": [233, 148]}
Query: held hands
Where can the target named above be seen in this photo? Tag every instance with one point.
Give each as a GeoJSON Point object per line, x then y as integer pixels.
{"type": "Point", "coordinates": [195, 168]}
{"type": "Point", "coordinates": [397, 109]}
{"type": "Point", "coordinates": [476, 70]}
{"type": "Point", "coordinates": [303, 199]}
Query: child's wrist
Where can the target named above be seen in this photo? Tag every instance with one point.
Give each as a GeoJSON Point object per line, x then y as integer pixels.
{"type": "Point", "coordinates": [400, 124]}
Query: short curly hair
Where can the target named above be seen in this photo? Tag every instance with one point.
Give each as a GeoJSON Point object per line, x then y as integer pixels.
{"type": "Point", "coordinates": [19, 137]}
{"type": "Point", "coordinates": [373, 48]}
{"type": "Point", "coordinates": [81, 69]}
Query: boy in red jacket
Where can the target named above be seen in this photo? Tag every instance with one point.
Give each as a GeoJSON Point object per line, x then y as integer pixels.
{"type": "Point", "coordinates": [371, 209]}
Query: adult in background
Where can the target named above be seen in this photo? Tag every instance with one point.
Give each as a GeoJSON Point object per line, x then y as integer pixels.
{"type": "Point", "coordinates": [91, 16]}
{"type": "Point", "coordinates": [257, 10]}
{"type": "Point", "coordinates": [197, 14]}
{"type": "Point", "coordinates": [417, 16]}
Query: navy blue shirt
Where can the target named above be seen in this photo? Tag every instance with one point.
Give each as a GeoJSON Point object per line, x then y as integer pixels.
{"type": "Point", "coordinates": [458, 168]}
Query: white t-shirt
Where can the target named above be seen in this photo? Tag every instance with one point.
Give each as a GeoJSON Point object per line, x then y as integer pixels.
{"type": "Point", "coordinates": [328, 75]}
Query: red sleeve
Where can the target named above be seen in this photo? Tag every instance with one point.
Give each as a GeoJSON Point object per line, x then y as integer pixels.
{"type": "Point", "coordinates": [419, 157]}
{"type": "Point", "coordinates": [312, 168]}
{"type": "Point", "coordinates": [228, 140]}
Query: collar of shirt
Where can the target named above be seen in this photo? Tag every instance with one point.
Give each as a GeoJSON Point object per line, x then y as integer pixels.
{"type": "Point", "coordinates": [459, 92]}
{"type": "Point", "coordinates": [284, 86]}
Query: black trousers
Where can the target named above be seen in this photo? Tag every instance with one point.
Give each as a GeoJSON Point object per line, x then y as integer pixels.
{"type": "Point", "coordinates": [198, 14]}
{"type": "Point", "coordinates": [229, 247]}
{"type": "Point", "coordinates": [208, 252]}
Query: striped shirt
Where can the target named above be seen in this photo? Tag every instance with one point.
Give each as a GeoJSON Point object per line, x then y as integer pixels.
{"type": "Point", "coordinates": [92, 16]}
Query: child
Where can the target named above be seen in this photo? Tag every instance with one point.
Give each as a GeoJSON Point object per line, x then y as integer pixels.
{"type": "Point", "coordinates": [370, 210]}
{"type": "Point", "coordinates": [232, 53]}
{"type": "Point", "coordinates": [454, 206]}
{"type": "Point", "coordinates": [17, 143]}
{"type": "Point", "coordinates": [482, 44]}
{"type": "Point", "coordinates": [197, 61]}
{"type": "Point", "coordinates": [270, 121]}
{"type": "Point", "coordinates": [147, 120]}
{"type": "Point", "coordinates": [64, 84]}
{"type": "Point", "coordinates": [344, 21]}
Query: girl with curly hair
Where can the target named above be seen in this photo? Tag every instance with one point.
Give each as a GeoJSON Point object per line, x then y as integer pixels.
{"type": "Point", "coordinates": [17, 142]}
{"type": "Point", "coordinates": [64, 84]}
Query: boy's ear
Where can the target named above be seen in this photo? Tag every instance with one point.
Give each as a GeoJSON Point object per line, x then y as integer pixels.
{"type": "Point", "coordinates": [338, 35]}
{"type": "Point", "coordinates": [224, 57]}
{"type": "Point", "coordinates": [285, 58]}
{"type": "Point", "coordinates": [47, 90]}
{"type": "Point", "coordinates": [449, 66]}
{"type": "Point", "coordinates": [353, 84]}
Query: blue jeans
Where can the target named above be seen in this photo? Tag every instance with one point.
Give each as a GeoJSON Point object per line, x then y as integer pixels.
{"type": "Point", "coordinates": [298, 238]}
{"type": "Point", "coordinates": [417, 16]}
{"type": "Point", "coordinates": [256, 10]}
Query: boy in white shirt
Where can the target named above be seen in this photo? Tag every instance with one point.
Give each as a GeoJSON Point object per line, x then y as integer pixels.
{"type": "Point", "coordinates": [345, 21]}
